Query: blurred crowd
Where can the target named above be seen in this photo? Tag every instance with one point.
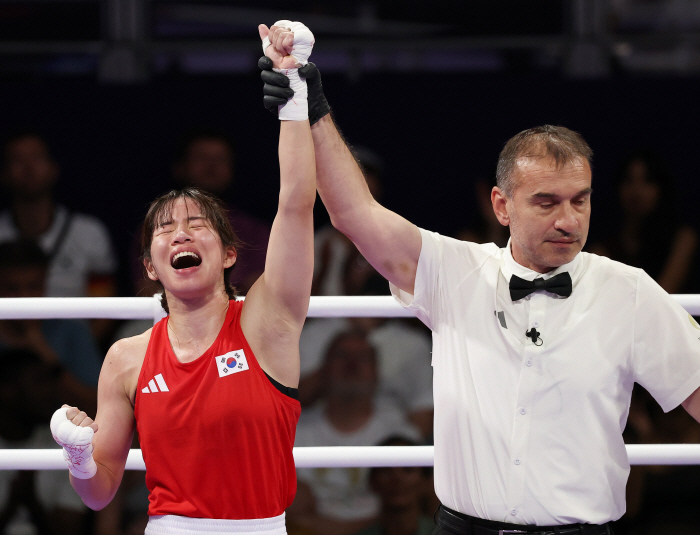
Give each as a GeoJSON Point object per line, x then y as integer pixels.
{"type": "Point", "coordinates": [364, 381]}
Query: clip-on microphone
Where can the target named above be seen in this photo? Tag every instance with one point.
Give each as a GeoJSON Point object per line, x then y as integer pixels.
{"type": "Point", "coordinates": [533, 335]}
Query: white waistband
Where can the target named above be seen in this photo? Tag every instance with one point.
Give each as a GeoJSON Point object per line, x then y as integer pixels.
{"type": "Point", "coordinates": [182, 525]}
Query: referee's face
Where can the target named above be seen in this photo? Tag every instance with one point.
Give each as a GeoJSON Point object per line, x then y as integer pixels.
{"type": "Point", "coordinates": [548, 213]}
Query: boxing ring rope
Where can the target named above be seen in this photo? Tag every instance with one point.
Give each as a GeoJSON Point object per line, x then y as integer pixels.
{"type": "Point", "coordinates": [346, 456]}
{"type": "Point", "coordinates": [306, 457]}
{"type": "Point", "coordinates": [123, 308]}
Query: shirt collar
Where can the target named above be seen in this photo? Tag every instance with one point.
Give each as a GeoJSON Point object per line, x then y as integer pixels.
{"type": "Point", "coordinates": [510, 267]}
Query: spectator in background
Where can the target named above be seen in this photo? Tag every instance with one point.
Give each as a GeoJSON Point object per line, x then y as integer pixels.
{"type": "Point", "coordinates": [651, 235]}
{"type": "Point", "coordinates": [403, 352]}
{"type": "Point", "coordinates": [339, 500]}
{"type": "Point", "coordinates": [81, 257]}
{"type": "Point", "coordinates": [66, 346]}
{"type": "Point", "coordinates": [403, 492]}
{"type": "Point", "coordinates": [204, 159]}
{"type": "Point", "coordinates": [331, 247]}
{"type": "Point", "coordinates": [485, 228]}
{"type": "Point", "coordinates": [82, 261]}
{"type": "Point", "coordinates": [32, 502]}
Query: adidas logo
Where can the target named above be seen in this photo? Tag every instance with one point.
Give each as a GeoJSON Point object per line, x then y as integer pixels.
{"type": "Point", "coordinates": [152, 385]}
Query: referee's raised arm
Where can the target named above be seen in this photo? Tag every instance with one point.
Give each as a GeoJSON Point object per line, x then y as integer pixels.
{"type": "Point", "coordinates": [388, 241]}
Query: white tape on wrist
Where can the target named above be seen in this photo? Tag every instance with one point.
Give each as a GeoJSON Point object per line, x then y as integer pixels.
{"type": "Point", "coordinates": [76, 442]}
{"type": "Point", "coordinates": [297, 107]}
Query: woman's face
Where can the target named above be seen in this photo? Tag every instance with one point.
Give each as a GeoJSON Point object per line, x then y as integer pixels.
{"type": "Point", "coordinates": [187, 256]}
{"type": "Point", "coordinates": [638, 194]}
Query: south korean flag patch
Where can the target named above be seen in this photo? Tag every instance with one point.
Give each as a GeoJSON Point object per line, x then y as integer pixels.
{"type": "Point", "coordinates": [232, 362]}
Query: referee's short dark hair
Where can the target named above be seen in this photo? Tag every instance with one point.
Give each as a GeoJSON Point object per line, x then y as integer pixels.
{"type": "Point", "coordinates": [558, 142]}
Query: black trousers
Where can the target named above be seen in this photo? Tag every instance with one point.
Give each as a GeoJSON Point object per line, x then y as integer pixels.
{"type": "Point", "coordinates": [451, 522]}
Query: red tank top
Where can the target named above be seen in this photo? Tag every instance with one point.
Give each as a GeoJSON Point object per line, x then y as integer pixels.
{"type": "Point", "coordinates": [216, 434]}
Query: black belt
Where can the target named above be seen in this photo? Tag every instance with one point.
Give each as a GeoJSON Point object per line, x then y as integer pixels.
{"type": "Point", "coordinates": [461, 524]}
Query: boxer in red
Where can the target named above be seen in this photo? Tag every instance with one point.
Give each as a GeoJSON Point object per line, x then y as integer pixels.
{"type": "Point", "coordinates": [211, 388]}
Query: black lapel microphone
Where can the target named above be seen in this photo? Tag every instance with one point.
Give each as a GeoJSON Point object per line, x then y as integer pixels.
{"type": "Point", "coordinates": [534, 335]}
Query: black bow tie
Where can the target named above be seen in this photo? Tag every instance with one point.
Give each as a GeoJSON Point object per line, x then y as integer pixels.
{"type": "Point", "coordinates": [559, 284]}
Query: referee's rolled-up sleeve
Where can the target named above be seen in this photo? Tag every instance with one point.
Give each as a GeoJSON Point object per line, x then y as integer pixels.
{"type": "Point", "coordinates": [422, 302]}
{"type": "Point", "coordinates": [666, 355]}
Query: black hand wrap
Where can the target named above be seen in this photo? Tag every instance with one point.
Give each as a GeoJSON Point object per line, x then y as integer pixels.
{"type": "Point", "coordinates": [276, 90]}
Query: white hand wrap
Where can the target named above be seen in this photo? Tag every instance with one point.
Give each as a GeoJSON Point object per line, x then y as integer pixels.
{"type": "Point", "coordinates": [297, 107]}
{"type": "Point", "coordinates": [76, 442]}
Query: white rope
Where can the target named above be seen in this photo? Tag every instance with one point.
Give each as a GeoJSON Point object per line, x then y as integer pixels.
{"type": "Point", "coordinates": [149, 307]}
{"type": "Point", "coordinates": [120, 308]}
{"type": "Point", "coordinates": [325, 457]}
{"type": "Point", "coordinates": [309, 457]}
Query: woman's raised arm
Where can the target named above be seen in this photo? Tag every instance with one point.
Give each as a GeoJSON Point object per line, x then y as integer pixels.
{"type": "Point", "coordinates": [277, 304]}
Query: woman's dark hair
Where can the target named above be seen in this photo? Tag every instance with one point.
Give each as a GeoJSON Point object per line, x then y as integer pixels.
{"type": "Point", "coordinates": [211, 208]}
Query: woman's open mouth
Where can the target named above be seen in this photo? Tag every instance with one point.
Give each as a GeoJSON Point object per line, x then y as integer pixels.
{"type": "Point", "coordinates": [185, 259]}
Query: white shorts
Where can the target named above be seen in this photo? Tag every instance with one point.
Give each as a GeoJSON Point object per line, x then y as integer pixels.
{"type": "Point", "coordinates": [182, 525]}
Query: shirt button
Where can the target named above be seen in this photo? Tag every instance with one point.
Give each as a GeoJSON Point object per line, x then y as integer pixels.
{"type": "Point", "coordinates": [517, 461]}
{"type": "Point", "coordinates": [514, 512]}
{"type": "Point", "coordinates": [535, 323]}
{"type": "Point", "coordinates": [528, 363]}
{"type": "Point", "coordinates": [523, 410]}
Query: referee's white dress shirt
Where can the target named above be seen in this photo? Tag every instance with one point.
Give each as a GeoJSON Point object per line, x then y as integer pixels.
{"type": "Point", "coordinates": [533, 434]}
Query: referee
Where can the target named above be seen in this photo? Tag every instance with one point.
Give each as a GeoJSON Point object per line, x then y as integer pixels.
{"type": "Point", "coordinates": [536, 346]}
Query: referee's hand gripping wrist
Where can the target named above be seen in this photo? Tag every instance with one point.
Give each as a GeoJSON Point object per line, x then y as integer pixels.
{"type": "Point", "coordinates": [276, 90]}
{"type": "Point", "coordinates": [73, 430]}
{"type": "Point", "coordinates": [318, 105]}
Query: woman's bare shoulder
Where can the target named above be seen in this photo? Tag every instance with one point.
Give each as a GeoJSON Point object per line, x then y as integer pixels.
{"type": "Point", "coordinates": [129, 351]}
{"type": "Point", "coordinates": [126, 355]}
{"type": "Point", "coordinates": [123, 362]}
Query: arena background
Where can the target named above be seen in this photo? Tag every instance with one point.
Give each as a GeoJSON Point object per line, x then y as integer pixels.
{"type": "Point", "coordinates": [434, 89]}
